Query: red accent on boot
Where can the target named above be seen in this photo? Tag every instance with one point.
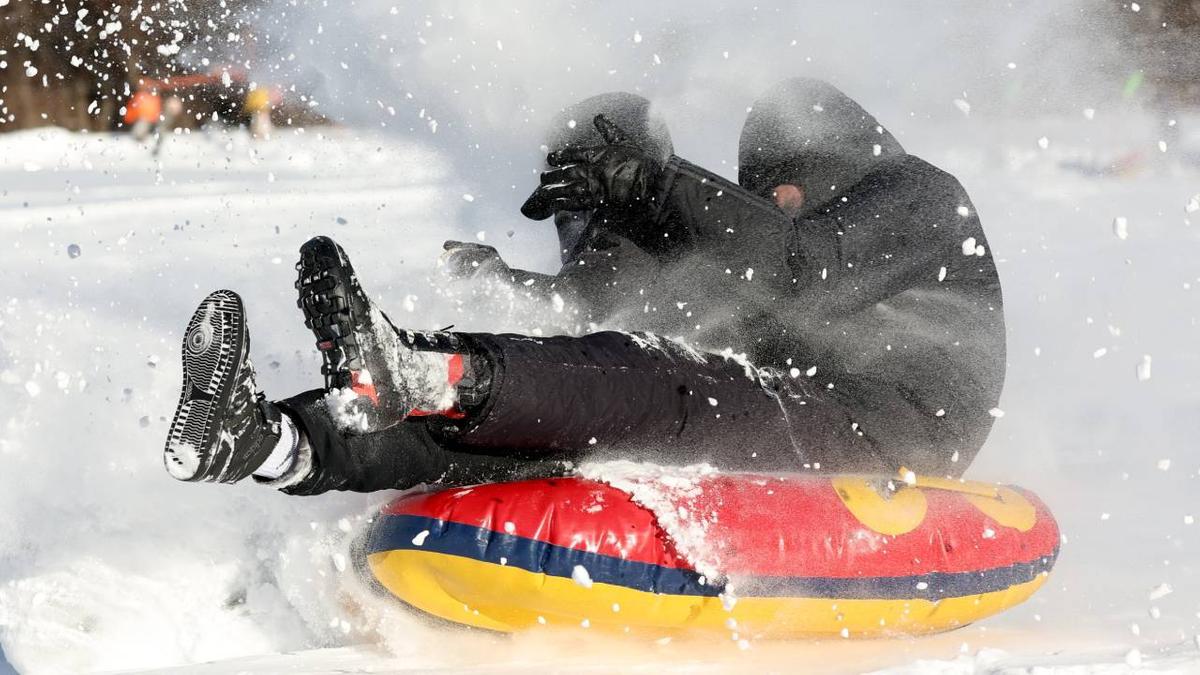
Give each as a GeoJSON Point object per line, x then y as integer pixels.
{"type": "Point", "coordinates": [452, 413]}
{"type": "Point", "coordinates": [456, 368]}
{"type": "Point", "coordinates": [363, 388]}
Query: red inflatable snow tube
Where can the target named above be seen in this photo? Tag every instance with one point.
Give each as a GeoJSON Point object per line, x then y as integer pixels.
{"type": "Point", "coordinates": [763, 556]}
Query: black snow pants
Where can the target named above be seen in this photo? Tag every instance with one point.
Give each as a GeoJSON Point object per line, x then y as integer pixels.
{"type": "Point", "coordinates": [556, 401]}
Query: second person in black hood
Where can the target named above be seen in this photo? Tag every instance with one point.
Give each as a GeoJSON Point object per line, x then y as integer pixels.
{"type": "Point", "coordinates": [806, 133]}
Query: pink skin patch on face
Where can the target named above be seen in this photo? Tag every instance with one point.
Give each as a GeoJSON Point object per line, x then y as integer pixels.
{"type": "Point", "coordinates": [789, 198]}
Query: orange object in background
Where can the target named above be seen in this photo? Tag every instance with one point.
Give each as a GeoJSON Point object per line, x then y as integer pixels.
{"type": "Point", "coordinates": [143, 106]}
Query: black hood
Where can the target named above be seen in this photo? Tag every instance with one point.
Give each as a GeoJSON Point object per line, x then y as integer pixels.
{"type": "Point", "coordinates": [573, 127]}
{"type": "Point", "coordinates": [808, 133]}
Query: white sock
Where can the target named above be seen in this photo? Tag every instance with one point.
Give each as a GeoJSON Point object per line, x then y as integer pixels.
{"type": "Point", "coordinates": [282, 458]}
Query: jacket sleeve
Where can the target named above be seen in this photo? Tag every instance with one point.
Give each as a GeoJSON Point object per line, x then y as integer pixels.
{"type": "Point", "coordinates": [533, 281]}
{"type": "Point", "coordinates": [698, 211]}
{"type": "Point", "coordinates": [606, 274]}
{"type": "Point", "coordinates": [696, 207]}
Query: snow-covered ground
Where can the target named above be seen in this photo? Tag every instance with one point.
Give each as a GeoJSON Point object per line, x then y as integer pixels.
{"type": "Point", "coordinates": [108, 564]}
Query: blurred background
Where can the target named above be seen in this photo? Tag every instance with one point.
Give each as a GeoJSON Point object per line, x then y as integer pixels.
{"type": "Point", "coordinates": [79, 64]}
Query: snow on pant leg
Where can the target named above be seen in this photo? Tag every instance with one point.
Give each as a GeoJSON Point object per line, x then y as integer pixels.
{"type": "Point", "coordinates": [396, 458]}
{"type": "Point", "coordinates": [629, 396]}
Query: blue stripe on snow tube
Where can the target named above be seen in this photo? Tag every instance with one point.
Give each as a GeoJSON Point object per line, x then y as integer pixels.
{"type": "Point", "coordinates": [401, 532]}
{"type": "Point", "coordinates": [932, 586]}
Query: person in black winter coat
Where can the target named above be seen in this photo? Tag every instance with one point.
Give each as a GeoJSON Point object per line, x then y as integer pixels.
{"type": "Point", "coordinates": [838, 310]}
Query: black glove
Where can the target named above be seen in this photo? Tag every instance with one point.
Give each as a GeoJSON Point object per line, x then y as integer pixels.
{"type": "Point", "coordinates": [465, 260]}
{"type": "Point", "coordinates": [617, 176]}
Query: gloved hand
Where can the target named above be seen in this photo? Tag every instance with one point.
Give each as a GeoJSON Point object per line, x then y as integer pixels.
{"type": "Point", "coordinates": [616, 175]}
{"type": "Point", "coordinates": [466, 260]}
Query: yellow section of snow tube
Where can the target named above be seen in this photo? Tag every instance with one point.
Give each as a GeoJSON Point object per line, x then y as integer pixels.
{"type": "Point", "coordinates": [509, 599]}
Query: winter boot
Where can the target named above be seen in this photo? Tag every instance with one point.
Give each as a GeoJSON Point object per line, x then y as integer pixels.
{"type": "Point", "coordinates": [376, 375]}
{"type": "Point", "coordinates": [223, 429]}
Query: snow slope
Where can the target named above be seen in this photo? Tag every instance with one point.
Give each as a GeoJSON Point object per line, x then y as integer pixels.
{"type": "Point", "coordinates": [108, 564]}
{"type": "Point", "coordinates": [105, 564]}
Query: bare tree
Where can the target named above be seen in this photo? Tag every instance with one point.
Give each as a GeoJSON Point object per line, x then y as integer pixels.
{"type": "Point", "coordinates": [74, 63]}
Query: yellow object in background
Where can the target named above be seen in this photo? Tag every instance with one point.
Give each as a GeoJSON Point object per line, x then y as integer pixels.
{"type": "Point", "coordinates": [257, 100]}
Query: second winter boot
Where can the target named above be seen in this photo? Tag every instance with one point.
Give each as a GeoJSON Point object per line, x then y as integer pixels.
{"type": "Point", "coordinates": [224, 429]}
{"type": "Point", "coordinates": [376, 374]}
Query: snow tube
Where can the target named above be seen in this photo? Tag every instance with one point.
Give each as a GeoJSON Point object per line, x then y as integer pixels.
{"type": "Point", "coordinates": [758, 555]}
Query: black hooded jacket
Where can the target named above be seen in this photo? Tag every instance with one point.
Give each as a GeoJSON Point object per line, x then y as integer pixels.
{"type": "Point", "coordinates": [884, 283]}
